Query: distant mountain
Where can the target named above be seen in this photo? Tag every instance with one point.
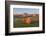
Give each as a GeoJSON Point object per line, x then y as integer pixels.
{"type": "Point", "coordinates": [25, 14]}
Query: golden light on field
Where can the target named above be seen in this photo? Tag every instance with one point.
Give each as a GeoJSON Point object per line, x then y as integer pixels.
{"type": "Point", "coordinates": [27, 20]}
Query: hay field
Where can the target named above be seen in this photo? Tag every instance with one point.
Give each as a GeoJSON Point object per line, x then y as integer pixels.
{"type": "Point", "coordinates": [18, 22]}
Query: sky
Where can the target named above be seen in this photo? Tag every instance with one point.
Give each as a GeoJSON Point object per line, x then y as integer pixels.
{"type": "Point", "coordinates": [25, 10]}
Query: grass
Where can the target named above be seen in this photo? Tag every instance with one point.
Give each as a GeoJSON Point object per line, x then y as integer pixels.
{"type": "Point", "coordinates": [18, 23]}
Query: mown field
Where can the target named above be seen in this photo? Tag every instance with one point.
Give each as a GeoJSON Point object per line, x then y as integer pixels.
{"type": "Point", "coordinates": [19, 23]}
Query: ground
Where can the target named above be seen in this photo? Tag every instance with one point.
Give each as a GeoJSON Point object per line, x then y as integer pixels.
{"type": "Point", "coordinates": [19, 23]}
